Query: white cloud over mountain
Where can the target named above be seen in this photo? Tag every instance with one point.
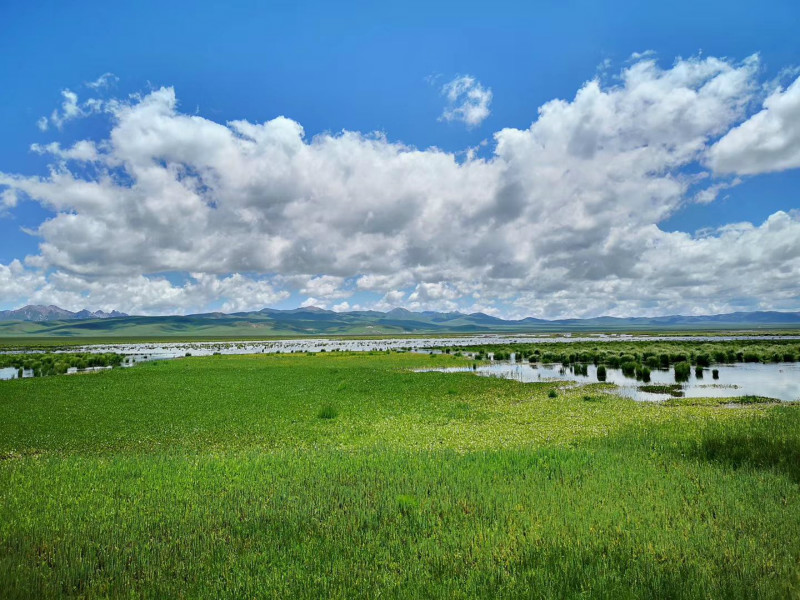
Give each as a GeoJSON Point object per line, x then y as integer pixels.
{"type": "Point", "coordinates": [562, 218]}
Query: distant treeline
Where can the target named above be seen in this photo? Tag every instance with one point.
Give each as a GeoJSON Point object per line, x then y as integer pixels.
{"type": "Point", "coordinates": [49, 363]}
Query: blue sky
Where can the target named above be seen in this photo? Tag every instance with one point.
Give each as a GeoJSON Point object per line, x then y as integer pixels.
{"type": "Point", "coordinates": [373, 67]}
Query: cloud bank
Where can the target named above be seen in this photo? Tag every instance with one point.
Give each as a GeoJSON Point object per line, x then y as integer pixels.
{"type": "Point", "coordinates": [561, 220]}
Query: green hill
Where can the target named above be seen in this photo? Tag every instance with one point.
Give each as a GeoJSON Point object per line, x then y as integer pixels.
{"type": "Point", "coordinates": [314, 321]}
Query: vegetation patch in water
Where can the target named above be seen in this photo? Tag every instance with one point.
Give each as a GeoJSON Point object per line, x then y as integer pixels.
{"type": "Point", "coordinates": [674, 389]}
{"type": "Point", "coordinates": [735, 401]}
{"type": "Point", "coordinates": [658, 354]}
{"type": "Point", "coordinates": [682, 371]}
{"type": "Point", "coordinates": [51, 363]}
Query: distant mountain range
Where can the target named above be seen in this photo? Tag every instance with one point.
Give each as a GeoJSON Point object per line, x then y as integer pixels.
{"type": "Point", "coordinates": [52, 321]}
{"type": "Point", "coordinates": [34, 312]}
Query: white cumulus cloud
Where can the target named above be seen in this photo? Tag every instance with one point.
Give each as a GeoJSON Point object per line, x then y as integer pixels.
{"type": "Point", "coordinates": [467, 100]}
{"type": "Point", "coordinates": [72, 108]}
{"type": "Point", "coordinates": [767, 141]}
{"type": "Point", "coordinates": [105, 80]}
{"type": "Point", "coordinates": [561, 219]}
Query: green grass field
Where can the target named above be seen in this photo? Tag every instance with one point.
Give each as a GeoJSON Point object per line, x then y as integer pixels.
{"type": "Point", "coordinates": [338, 475]}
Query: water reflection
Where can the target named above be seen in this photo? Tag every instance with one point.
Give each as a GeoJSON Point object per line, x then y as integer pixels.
{"type": "Point", "coordinates": [780, 381]}
{"type": "Point", "coordinates": [8, 373]}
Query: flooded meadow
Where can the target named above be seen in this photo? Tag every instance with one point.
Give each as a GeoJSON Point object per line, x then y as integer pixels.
{"type": "Point", "coordinates": [779, 381]}
{"type": "Point", "coordinates": [735, 377]}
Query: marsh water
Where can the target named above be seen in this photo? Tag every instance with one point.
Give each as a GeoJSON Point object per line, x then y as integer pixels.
{"type": "Point", "coordinates": [780, 381]}
{"type": "Point", "coordinates": [155, 351]}
{"type": "Point", "coordinates": [776, 380]}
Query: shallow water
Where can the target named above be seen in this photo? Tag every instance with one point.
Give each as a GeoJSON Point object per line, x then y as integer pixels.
{"type": "Point", "coordinates": [780, 381]}
{"type": "Point", "coordinates": [158, 351]}
{"type": "Point", "coordinates": [8, 373]}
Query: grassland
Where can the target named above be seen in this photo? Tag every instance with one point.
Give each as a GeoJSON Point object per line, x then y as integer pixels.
{"type": "Point", "coordinates": [345, 475]}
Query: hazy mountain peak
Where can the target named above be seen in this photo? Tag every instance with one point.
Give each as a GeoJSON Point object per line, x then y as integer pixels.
{"type": "Point", "coordinates": [38, 312]}
{"type": "Point", "coordinates": [312, 309]}
{"type": "Point", "coordinates": [312, 320]}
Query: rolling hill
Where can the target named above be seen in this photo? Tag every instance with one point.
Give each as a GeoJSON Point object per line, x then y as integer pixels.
{"type": "Point", "coordinates": [53, 322]}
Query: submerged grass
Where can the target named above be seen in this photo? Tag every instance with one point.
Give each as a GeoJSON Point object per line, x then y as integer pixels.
{"type": "Point", "coordinates": [219, 477]}
{"type": "Point", "coordinates": [726, 401]}
{"type": "Point", "coordinates": [673, 389]}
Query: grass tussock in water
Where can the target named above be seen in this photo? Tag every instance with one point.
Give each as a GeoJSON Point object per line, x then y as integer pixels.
{"type": "Point", "coordinates": [682, 371]}
{"type": "Point", "coordinates": [211, 478]}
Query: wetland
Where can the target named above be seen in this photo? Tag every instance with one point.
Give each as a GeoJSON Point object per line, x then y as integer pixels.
{"type": "Point", "coordinates": [352, 474]}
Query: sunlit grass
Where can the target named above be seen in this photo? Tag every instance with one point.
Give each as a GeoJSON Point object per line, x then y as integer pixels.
{"type": "Point", "coordinates": [219, 476]}
{"type": "Point", "coordinates": [328, 411]}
